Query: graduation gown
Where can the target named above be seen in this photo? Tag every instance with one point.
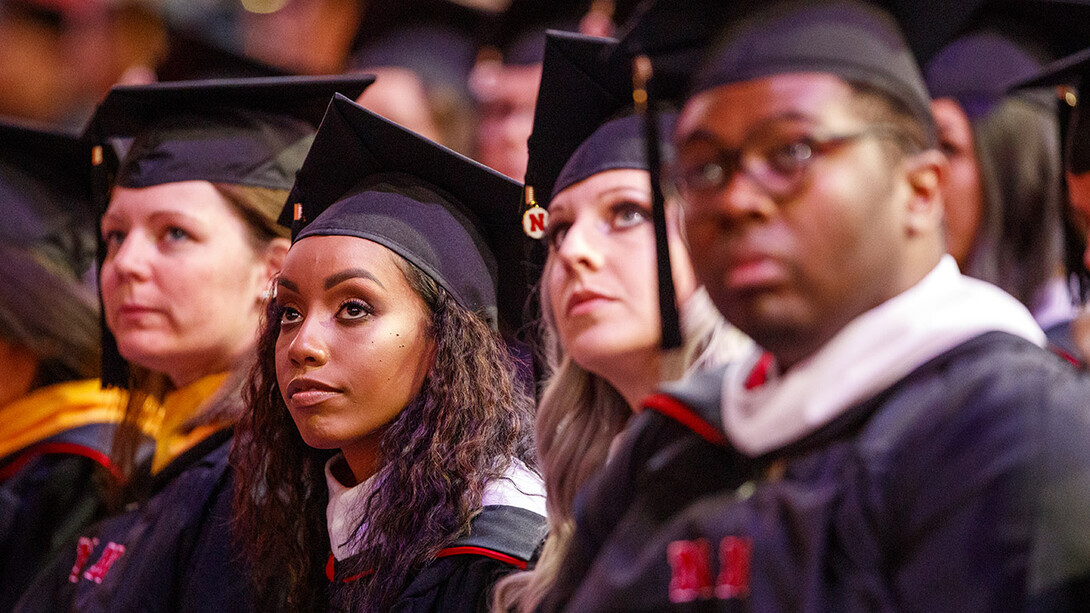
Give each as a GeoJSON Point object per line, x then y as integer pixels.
{"type": "Point", "coordinates": [502, 540]}
{"type": "Point", "coordinates": [964, 486]}
{"type": "Point", "coordinates": [174, 551]}
{"type": "Point", "coordinates": [55, 490]}
{"type": "Point", "coordinates": [53, 473]}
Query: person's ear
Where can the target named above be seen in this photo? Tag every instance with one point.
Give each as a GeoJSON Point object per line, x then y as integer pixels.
{"type": "Point", "coordinates": [274, 255]}
{"type": "Point", "coordinates": [925, 173]}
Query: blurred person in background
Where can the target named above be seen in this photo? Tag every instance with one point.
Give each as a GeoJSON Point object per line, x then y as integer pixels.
{"type": "Point", "coordinates": [311, 37]}
{"type": "Point", "coordinates": [505, 78]}
{"type": "Point", "coordinates": [56, 421]}
{"type": "Point", "coordinates": [421, 53]}
{"type": "Point", "coordinates": [1003, 197]}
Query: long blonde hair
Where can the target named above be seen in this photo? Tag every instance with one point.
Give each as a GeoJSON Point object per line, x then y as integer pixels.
{"type": "Point", "coordinates": [578, 418]}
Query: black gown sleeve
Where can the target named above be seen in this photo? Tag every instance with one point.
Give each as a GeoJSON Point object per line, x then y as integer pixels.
{"type": "Point", "coordinates": [42, 508]}
{"type": "Point", "coordinates": [455, 584]}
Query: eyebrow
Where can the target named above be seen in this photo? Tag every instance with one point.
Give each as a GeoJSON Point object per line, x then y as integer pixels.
{"type": "Point", "coordinates": [289, 285]}
{"type": "Point", "coordinates": [709, 136]}
{"type": "Point", "coordinates": [333, 280]}
{"type": "Point", "coordinates": [352, 273]}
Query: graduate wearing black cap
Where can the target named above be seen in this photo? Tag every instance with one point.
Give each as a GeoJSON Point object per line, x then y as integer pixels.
{"type": "Point", "coordinates": [589, 166]}
{"type": "Point", "coordinates": [388, 415]}
{"type": "Point", "coordinates": [56, 422]}
{"type": "Point", "coordinates": [899, 441]}
{"type": "Point", "coordinates": [1068, 75]}
{"type": "Point", "coordinates": [189, 245]}
{"type": "Point", "coordinates": [1003, 198]}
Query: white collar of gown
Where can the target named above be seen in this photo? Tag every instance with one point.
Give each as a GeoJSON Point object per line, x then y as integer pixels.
{"type": "Point", "coordinates": [520, 487]}
{"type": "Point", "coordinates": [868, 355]}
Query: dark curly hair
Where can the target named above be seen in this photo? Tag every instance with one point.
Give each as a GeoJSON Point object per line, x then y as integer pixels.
{"type": "Point", "coordinates": [472, 418]}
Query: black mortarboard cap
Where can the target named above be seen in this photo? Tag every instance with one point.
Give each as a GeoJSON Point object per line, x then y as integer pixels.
{"type": "Point", "coordinates": [584, 123]}
{"type": "Point", "coordinates": [455, 219]}
{"type": "Point", "coordinates": [978, 68]}
{"type": "Point", "coordinates": [250, 132]}
{"type": "Point", "coordinates": [1073, 71]}
{"type": "Point", "coordinates": [854, 40]}
{"type": "Point", "coordinates": [581, 88]}
{"type": "Point", "coordinates": [45, 195]}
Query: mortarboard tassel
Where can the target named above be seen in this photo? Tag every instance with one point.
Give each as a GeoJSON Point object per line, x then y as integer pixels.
{"type": "Point", "coordinates": [671, 326]}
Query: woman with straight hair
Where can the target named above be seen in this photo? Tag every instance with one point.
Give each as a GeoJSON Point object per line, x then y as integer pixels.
{"type": "Point", "coordinates": [599, 305]}
{"type": "Point", "coordinates": [386, 460]}
{"type": "Point", "coordinates": [189, 245]}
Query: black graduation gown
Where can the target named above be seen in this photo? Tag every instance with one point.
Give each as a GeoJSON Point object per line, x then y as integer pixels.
{"type": "Point", "coordinates": [1062, 342]}
{"type": "Point", "coordinates": [49, 491]}
{"type": "Point", "coordinates": [174, 551]}
{"type": "Point", "coordinates": [502, 540]}
{"type": "Point", "coordinates": [963, 487]}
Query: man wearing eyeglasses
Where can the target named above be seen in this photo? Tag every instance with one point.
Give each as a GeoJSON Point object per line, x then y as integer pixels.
{"type": "Point", "coordinates": [900, 441]}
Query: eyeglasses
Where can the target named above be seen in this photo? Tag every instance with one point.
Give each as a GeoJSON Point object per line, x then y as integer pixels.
{"type": "Point", "coordinates": [777, 164]}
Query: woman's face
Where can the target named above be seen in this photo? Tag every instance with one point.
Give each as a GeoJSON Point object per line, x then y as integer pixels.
{"type": "Point", "coordinates": [181, 282]}
{"type": "Point", "coordinates": [354, 344]}
{"type": "Point", "coordinates": [600, 276]}
{"type": "Point", "coordinates": [962, 194]}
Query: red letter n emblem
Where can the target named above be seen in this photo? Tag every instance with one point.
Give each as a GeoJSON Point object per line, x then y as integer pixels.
{"type": "Point", "coordinates": [110, 554]}
{"type": "Point", "coordinates": [733, 580]}
{"type": "Point", "coordinates": [537, 223]}
{"type": "Point", "coordinates": [534, 221]}
{"type": "Point", "coordinates": [690, 576]}
{"type": "Point", "coordinates": [84, 548]}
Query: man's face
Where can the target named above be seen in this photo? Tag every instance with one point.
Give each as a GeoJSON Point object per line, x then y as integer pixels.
{"type": "Point", "coordinates": [792, 252]}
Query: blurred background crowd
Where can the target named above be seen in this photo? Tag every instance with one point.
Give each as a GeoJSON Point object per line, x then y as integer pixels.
{"type": "Point", "coordinates": [462, 72]}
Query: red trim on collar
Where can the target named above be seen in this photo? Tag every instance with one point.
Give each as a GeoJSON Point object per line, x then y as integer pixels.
{"type": "Point", "coordinates": [331, 564]}
{"type": "Point", "coordinates": [330, 572]}
{"type": "Point", "coordinates": [681, 413]}
{"type": "Point", "coordinates": [481, 551]}
{"type": "Point", "coordinates": [61, 448]}
{"type": "Point", "coordinates": [1056, 349]}
{"type": "Point", "coordinates": [759, 375]}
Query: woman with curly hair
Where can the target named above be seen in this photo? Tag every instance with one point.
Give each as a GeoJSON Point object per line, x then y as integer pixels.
{"type": "Point", "coordinates": [599, 308]}
{"type": "Point", "coordinates": [385, 463]}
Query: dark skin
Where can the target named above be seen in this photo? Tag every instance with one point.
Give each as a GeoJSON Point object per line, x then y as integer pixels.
{"type": "Point", "coordinates": [860, 226]}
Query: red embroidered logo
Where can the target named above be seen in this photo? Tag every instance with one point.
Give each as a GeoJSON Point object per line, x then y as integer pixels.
{"type": "Point", "coordinates": [690, 574]}
{"type": "Point", "coordinates": [690, 569]}
{"type": "Point", "coordinates": [110, 554]}
{"type": "Point", "coordinates": [733, 580]}
{"type": "Point", "coordinates": [84, 548]}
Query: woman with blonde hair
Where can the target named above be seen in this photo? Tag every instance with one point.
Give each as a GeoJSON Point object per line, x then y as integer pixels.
{"type": "Point", "coordinates": [189, 245]}
{"type": "Point", "coordinates": [598, 291]}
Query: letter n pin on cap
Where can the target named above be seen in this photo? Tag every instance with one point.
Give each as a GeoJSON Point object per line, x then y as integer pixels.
{"type": "Point", "coordinates": [536, 217]}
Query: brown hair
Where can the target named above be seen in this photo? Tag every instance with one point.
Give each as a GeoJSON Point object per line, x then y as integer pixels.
{"type": "Point", "coordinates": [49, 313]}
{"type": "Point", "coordinates": [1019, 245]}
{"type": "Point", "coordinates": [470, 420]}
